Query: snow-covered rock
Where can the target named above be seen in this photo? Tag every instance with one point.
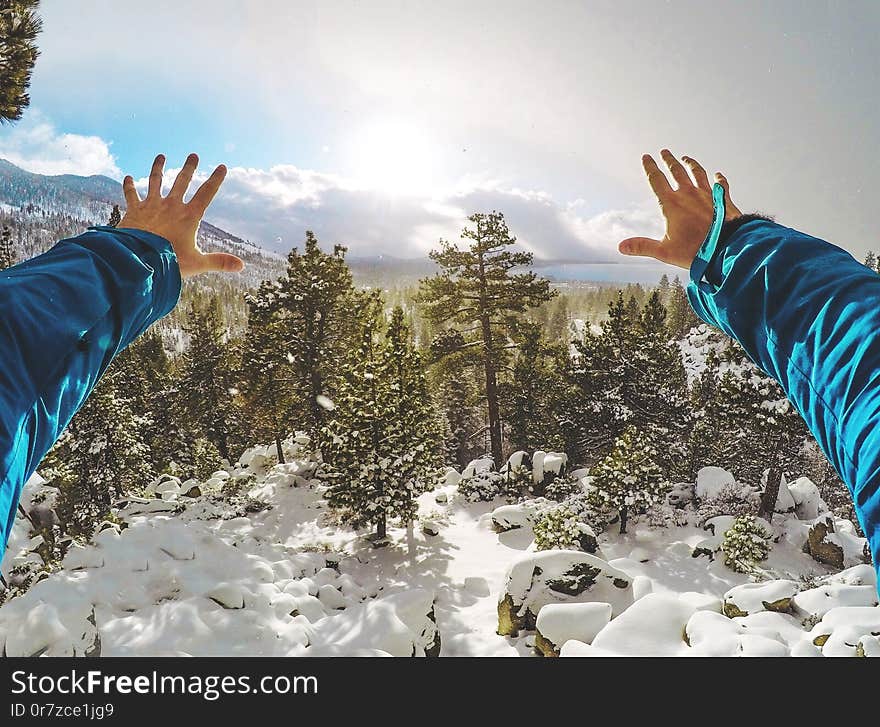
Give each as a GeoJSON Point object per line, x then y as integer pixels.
{"type": "Point", "coordinates": [841, 629]}
{"type": "Point", "coordinates": [401, 624]}
{"type": "Point", "coordinates": [712, 634]}
{"type": "Point", "coordinates": [711, 481]}
{"type": "Point", "coordinates": [652, 626]}
{"type": "Point", "coordinates": [754, 597]}
{"type": "Point", "coordinates": [680, 494]}
{"type": "Point", "coordinates": [814, 603]}
{"type": "Point", "coordinates": [559, 622]}
{"type": "Point", "coordinates": [808, 502]}
{"type": "Point", "coordinates": [483, 464]}
{"type": "Point", "coordinates": [520, 515]}
{"type": "Point", "coordinates": [558, 576]}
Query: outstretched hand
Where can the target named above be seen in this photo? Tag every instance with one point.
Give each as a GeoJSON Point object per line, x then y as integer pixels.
{"type": "Point", "coordinates": [688, 210]}
{"type": "Point", "coordinates": [178, 221]}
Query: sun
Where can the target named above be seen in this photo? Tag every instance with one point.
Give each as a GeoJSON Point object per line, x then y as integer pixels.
{"type": "Point", "coordinates": [394, 157]}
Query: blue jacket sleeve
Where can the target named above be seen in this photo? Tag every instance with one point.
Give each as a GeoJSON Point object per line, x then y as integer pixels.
{"type": "Point", "coordinates": [65, 315]}
{"type": "Point", "coordinates": [808, 314]}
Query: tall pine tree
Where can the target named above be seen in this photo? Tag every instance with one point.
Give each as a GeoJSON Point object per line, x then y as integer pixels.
{"type": "Point", "coordinates": [478, 295]}
{"type": "Point", "coordinates": [207, 382]}
{"type": "Point", "coordinates": [312, 305]}
{"type": "Point", "coordinates": [19, 27]}
{"type": "Point", "coordinates": [381, 442]}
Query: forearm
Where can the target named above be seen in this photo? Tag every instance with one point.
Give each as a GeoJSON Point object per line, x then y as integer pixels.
{"type": "Point", "coordinates": [808, 314]}
{"type": "Point", "coordinates": [65, 315]}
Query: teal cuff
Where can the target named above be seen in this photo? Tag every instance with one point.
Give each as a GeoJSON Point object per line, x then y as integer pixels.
{"type": "Point", "coordinates": [707, 250]}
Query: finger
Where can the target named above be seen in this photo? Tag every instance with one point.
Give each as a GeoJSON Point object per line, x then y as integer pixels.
{"type": "Point", "coordinates": [184, 177]}
{"type": "Point", "coordinates": [700, 176]}
{"type": "Point", "coordinates": [679, 173]}
{"type": "Point", "coordinates": [129, 192]}
{"type": "Point", "coordinates": [204, 194]}
{"type": "Point", "coordinates": [642, 246]}
{"type": "Point", "coordinates": [155, 186]}
{"type": "Point", "coordinates": [656, 178]}
{"type": "Point", "coordinates": [222, 262]}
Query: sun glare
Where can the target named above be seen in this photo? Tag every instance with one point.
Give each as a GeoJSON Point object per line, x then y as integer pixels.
{"type": "Point", "coordinates": [395, 158]}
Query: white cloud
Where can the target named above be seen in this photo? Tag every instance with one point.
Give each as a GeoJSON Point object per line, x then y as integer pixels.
{"type": "Point", "coordinates": [274, 207]}
{"type": "Point", "coordinates": [36, 145]}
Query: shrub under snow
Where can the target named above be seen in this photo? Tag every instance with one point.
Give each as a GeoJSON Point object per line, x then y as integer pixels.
{"type": "Point", "coordinates": [561, 528]}
{"type": "Point", "coordinates": [745, 544]}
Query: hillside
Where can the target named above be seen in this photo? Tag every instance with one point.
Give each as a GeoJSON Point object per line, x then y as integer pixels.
{"type": "Point", "coordinates": [42, 209]}
{"type": "Point", "coordinates": [251, 562]}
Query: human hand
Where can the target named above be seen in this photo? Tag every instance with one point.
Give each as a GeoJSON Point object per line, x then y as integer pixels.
{"type": "Point", "coordinates": [178, 221]}
{"type": "Point", "coordinates": [688, 211]}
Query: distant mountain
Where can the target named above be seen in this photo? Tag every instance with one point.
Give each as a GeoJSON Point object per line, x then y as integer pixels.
{"type": "Point", "coordinates": [67, 203]}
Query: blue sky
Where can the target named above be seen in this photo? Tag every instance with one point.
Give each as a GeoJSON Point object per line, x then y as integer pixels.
{"type": "Point", "coordinates": [383, 124]}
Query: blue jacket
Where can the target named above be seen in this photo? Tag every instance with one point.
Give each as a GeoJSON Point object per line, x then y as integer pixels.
{"type": "Point", "coordinates": [65, 315]}
{"type": "Point", "coordinates": [808, 314]}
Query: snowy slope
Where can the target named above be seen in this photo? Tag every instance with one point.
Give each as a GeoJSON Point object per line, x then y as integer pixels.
{"type": "Point", "coordinates": [268, 572]}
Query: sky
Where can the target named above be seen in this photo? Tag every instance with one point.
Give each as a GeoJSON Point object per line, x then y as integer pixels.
{"type": "Point", "coordinates": [382, 125]}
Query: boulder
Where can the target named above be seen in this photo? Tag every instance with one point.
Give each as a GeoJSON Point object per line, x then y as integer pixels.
{"type": "Point", "coordinates": [750, 598]}
{"type": "Point", "coordinates": [807, 500]}
{"type": "Point", "coordinates": [520, 515]}
{"type": "Point", "coordinates": [559, 622]}
{"type": "Point", "coordinates": [652, 626]}
{"type": "Point", "coordinates": [841, 629]}
{"type": "Point", "coordinates": [711, 481]}
{"type": "Point", "coordinates": [558, 576]}
{"type": "Point", "coordinates": [681, 494]}
{"type": "Point", "coordinates": [822, 548]}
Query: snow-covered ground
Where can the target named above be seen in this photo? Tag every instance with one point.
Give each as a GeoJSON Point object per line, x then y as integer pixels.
{"type": "Point", "coordinates": [269, 573]}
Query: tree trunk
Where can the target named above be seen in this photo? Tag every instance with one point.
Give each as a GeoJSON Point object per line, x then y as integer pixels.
{"type": "Point", "coordinates": [623, 516]}
{"type": "Point", "coordinates": [771, 493]}
{"type": "Point", "coordinates": [279, 450]}
{"type": "Point", "coordinates": [492, 394]}
{"type": "Point", "coordinates": [316, 391]}
{"type": "Point", "coordinates": [381, 527]}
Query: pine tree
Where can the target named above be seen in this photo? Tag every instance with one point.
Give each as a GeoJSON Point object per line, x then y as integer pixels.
{"type": "Point", "coordinates": [745, 544]}
{"type": "Point", "coordinates": [754, 426]}
{"type": "Point", "coordinates": [663, 287]}
{"type": "Point", "coordinates": [100, 457]}
{"type": "Point", "coordinates": [658, 402]}
{"type": "Point", "coordinates": [478, 296]}
{"type": "Point", "coordinates": [8, 256]}
{"type": "Point", "coordinates": [681, 316]}
{"type": "Point", "coordinates": [871, 260]}
{"type": "Point", "coordinates": [265, 371]}
{"type": "Point", "coordinates": [704, 446]}
{"type": "Point", "coordinates": [19, 27]}
{"type": "Point", "coordinates": [115, 217]}
{"type": "Point", "coordinates": [312, 304]}
{"type": "Point", "coordinates": [630, 374]}
{"type": "Point", "coordinates": [380, 446]}
{"type": "Point", "coordinates": [535, 387]}
{"type": "Point", "coordinates": [207, 383]}
{"type": "Point", "coordinates": [455, 391]}
{"type": "Point", "coordinates": [628, 478]}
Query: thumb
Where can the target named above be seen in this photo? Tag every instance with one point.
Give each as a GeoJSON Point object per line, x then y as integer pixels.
{"type": "Point", "coordinates": [643, 246]}
{"type": "Point", "coordinates": [222, 262]}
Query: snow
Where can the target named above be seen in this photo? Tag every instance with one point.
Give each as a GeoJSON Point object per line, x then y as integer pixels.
{"type": "Point", "coordinates": [531, 576]}
{"type": "Point", "coordinates": [808, 502]}
{"type": "Point", "coordinates": [711, 481]}
{"type": "Point", "coordinates": [754, 597]}
{"type": "Point", "coordinates": [194, 575]}
{"type": "Point", "coordinates": [559, 622]}
{"type": "Point", "coordinates": [652, 626]}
